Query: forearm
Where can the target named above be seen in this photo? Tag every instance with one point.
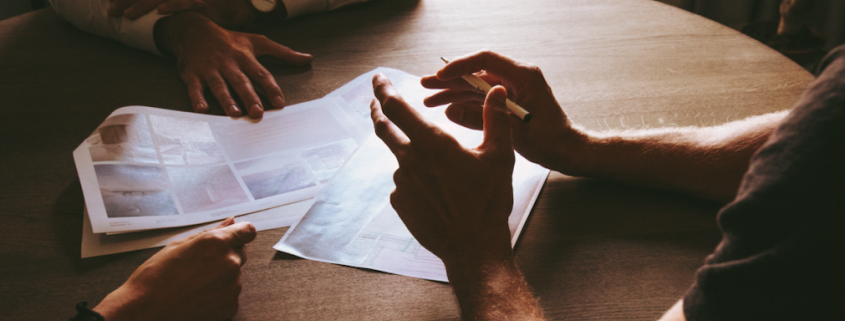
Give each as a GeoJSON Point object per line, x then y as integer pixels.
{"type": "Point", "coordinates": [493, 290]}
{"type": "Point", "coordinates": [706, 162]}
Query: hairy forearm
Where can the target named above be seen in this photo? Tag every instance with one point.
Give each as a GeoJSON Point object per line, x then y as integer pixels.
{"type": "Point", "coordinates": [706, 162]}
{"type": "Point", "coordinates": [493, 290]}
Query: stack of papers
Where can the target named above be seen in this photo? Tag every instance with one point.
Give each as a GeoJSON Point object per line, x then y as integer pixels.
{"type": "Point", "coordinates": [151, 176]}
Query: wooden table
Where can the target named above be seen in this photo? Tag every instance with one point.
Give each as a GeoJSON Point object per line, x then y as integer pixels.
{"type": "Point", "coordinates": [591, 250]}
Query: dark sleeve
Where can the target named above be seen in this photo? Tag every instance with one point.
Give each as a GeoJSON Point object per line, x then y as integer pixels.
{"type": "Point", "coordinates": [783, 245]}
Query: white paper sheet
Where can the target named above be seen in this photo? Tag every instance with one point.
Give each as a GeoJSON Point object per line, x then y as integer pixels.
{"type": "Point", "coordinates": [352, 222]}
{"type": "Point", "coordinates": [148, 168]}
{"type": "Point", "coordinates": [103, 244]}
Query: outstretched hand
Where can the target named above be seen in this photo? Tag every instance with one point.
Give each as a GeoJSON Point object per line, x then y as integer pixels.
{"type": "Point", "coordinates": [454, 200]}
{"type": "Point", "coordinates": [213, 57]}
{"type": "Point", "coordinates": [197, 278]}
{"type": "Point", "coordinates": [541, 140]}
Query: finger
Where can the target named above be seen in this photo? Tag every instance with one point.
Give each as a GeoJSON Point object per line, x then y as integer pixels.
{"type": "Point", "coordinates": [265, 79]}
{"type": "Point", "coordinates": [468, 115]}
{"type": "Point", "coordinates": [241, 84]}
{"type": "Point", "coordinates": [195, 93]}
{"type": "Point", "coordinates": [266, 47]}
{"type": "Point", "coordinates": [174, 6]}
{"type": "Point", "coordinates": [221, 92]}
{"type": "Point", "coordinates": [453, 96]}
{"type": "Point", "coordinates": [492, 80]}
{"type": "Point", "coordinates": [432, 82]}
{"type": "Point", "coordinates": [497, 128]}
{"type": "Point", "coordinates": [140, 8]}
{"type": "Point", "coordinates": [391, 135]}
{"type": "Point", "coordinates": [236, 235]}
{"type": "Point", "coordinates": [399, 112]}
{"type": "Point", "coordinates": [241, 251]}
{"type": "Point", "coordinates": [491, 62]}
{"type": "Point", "coordinates": [228, 221]}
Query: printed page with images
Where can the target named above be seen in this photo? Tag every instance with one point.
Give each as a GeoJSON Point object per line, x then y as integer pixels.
{"type": "Point", "coordinates": [149, 168]}
{"type": "Point", "coordinates": [352, 222]}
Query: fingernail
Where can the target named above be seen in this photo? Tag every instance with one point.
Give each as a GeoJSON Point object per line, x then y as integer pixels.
{"type": "Point", "coordinates": [200, 108]}
{"type": "Point", "coordinates": [255, 108]}
{"type": "Point", "coordinates": [278, 102]}
{"type": "Point", "coordinates": [235, 110]}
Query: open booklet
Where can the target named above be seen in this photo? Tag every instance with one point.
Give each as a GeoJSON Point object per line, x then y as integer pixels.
{"type": "Point", "coordinates": [352, 222]}
{"type": "Point", "coordinates": [149, 168]}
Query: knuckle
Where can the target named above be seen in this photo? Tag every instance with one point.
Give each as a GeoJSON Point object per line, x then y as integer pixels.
{"type": "Point", "coordinates": [240, 80]}
{"type": "Point", "coordinates": [216, 83]}
{"type": "Point", "coordinates": [214, 240]}
{"type": "Point", "coordinates": [233, 263]}
{"type": "Point", "coordinates": [381, 126]}
{"type": "Point", "coordinates": [535, 72]}
{"type": "Point", "coordinates": [391, 102]}
{"type": "Point", "coordinates": [262, 73]}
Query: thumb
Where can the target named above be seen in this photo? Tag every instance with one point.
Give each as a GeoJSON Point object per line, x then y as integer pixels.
{"type": "Point", "coordinates": [238, 234]}
{"type": "Point", "coordinates": [497, 123]}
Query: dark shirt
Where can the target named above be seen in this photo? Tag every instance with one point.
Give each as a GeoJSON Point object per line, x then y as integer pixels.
{"type": "Point", "coordinates": [783, 244]}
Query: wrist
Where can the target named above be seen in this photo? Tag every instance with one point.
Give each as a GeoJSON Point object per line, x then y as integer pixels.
{"type": "Point", "coordinates": [171, 33]}
{"type": "Point", "coordinates": [124, 304]}
{"type": "Point", "coordinates": [575, 154]}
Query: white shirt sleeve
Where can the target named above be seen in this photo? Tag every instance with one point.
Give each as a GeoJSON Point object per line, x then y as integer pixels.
{"type": "Point", "coordinates": [300, 7]}
{"type": "Point", "coordinates": [91, 16]}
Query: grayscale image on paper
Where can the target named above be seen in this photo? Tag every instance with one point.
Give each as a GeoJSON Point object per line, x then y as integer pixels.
{"type": "Point", "coordinates": [185, 141]}
{"type": "Point", "coordinates": [134, 190]}
{"type": "Point", "coordinates": [203, 188]}
{"type": "Point", "coordinates": [325, 160]}
{"type": "Point", "coordinates": [275, 175]}
{"type": "Point", "coordinates": [124, 138]}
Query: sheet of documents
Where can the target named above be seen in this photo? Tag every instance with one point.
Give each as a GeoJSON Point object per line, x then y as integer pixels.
{"type": "Point", "coordinates": [148, 168]}
{"type": "Point", "coordinates": [103, 244]}
{"type": "Point", "coordinates": [352, 222]}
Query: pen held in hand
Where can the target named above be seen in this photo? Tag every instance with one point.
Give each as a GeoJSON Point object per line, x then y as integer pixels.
{"type": "Point", "coordinates": [482, 85]}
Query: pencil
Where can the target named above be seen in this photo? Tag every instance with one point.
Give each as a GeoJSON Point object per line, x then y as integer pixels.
{"type": "Point", "coordinates": [482, 85]}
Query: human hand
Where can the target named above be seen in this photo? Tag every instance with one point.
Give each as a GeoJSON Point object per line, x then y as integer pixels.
{"type": "Point", "coordinates": [454, 200]}
{"type": "Point", "coordinates": [198, 278]}
{"type": "Point", "coordinates": [549, 139]}
{"type": "Point", "coordinates": [208, 55]}
{"type": "Point", "coordinates": [226, 13]}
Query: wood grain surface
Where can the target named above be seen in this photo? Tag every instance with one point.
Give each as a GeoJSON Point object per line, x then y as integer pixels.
{"type": "Point", "coordinates": [592, 249]}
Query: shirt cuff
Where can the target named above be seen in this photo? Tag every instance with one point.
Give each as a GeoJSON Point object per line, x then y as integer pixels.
{"type": "Point", "coordinates": [297, 8]}
{"type": "Point", "coordinates": [140, 33]}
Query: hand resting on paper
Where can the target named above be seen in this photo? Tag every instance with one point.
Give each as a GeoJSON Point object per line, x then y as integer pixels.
{"type": "Point", "coordinates": [210, 56]}
{"type": "Point", "coordinates": [456, 201]}
{"type": "Point", "coordinates": [225, 13]}
{"type": "Point", "coordinates": [197, 278]}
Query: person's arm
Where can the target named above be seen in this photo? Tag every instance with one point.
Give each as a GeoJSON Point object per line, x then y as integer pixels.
{"type": "Point", "coordinates": [226, 13]}
{"type": "Point", "coordinates": [197, 278]}
{"type": "Point", "coordinates": [456, 202]}
{"type": "Point", "coordinates": [208, 56]}
{"type": "Point", "coordinates": [707, 162]}
{"type": "Point", "coordinates": [90, 16]}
